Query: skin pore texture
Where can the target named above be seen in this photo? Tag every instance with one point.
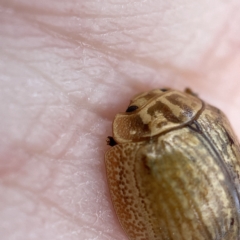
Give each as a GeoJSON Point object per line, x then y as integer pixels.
{"type": "Point", "coordinates": [66, 69]}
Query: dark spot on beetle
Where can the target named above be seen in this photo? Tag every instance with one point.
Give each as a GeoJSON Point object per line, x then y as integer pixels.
{"type": "Point", "coordinates": [141, 127]}
{"type": "Point", "coordinates": [165, 110]}
{"type": "Point", "coordinates": [195, 126]}
{"type": "Point", "coordinates": [189, 91]}
{"type": "Point", "coordinates": [179, 101]}
{"type": "Point", "coordinates": [229, 137]}
{"type": "Point", "coordinates": [164, 89]}
{"type": "Point", "coordinates": [110, 141]}
{"type": "Point", "coordinates": [132, 108]}
{"type": "Point", "coordinates": [232, 222]}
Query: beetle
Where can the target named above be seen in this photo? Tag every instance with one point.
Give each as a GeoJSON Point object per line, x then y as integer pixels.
{"type": "Point", "coordinates": [173, 169]}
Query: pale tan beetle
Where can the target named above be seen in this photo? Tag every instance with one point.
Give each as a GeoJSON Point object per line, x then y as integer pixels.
{"type": "Point", "coordinates": [173, 169]}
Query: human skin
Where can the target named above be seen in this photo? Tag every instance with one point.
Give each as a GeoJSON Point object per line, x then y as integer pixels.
{"type": "Point", "coordinates": [66, 68]}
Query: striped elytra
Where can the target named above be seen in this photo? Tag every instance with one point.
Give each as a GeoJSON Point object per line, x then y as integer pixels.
{"type": "Point", "coordinates": [173, 170]}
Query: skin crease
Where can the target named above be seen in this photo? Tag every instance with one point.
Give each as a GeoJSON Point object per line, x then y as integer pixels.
{"type": "Point", "coordinates": [66, 68]}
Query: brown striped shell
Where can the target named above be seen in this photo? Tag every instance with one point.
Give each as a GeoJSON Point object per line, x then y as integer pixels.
{"type": "Point", "coordinates": [173, 169]}
{"type": "Point", "coordinates": [157, 112]}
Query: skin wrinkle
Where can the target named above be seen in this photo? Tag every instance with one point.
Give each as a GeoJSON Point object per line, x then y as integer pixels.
{"type": "Point", "coordinates": [118, 57]}
{"type": "Point", "coordinates": [59, 44]}
{"type": "Point", "coordinates": [43, 12]}
{"type": "Point", "coordinates": [45, 201]}
{"type": "Point", "coordinates": [62, 153]}
{"type": "Point", "coordinates": [49, 80]}
{"type": "Point", "coordinates": [152, 64]}
{"type": "Point", "coordinates": [149, 62]}
{"type": "Point", "coordinates": [11, 183]}
{"type": "Point", "coordinates": [6, 171]}
{"type": "Point", "coordinates": [27, 133]}
{"type": "Point", "coordinates": [32, 126]}
{"type": "Point", "coordinates": [214, 47]}
{"type": "Point", "coordinates": [34, 122]}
